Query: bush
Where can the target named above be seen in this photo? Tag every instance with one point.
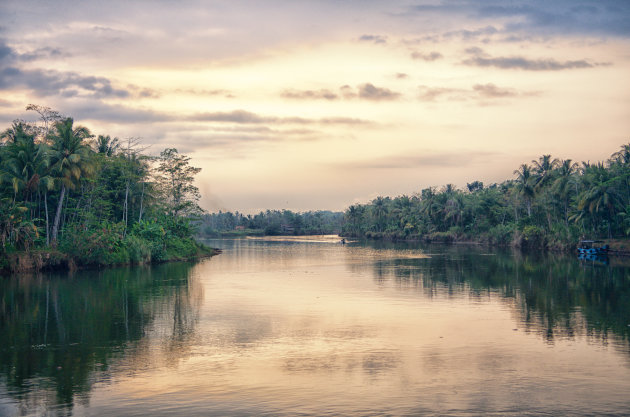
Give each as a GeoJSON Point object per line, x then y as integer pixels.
{"type": "Point", "coordinates": [501, 234]}
{"type": "Point", "coordinates": [532, 237]}
{"type": "Point", "coordinates": [153, 235]}
{"type": "Point", "coordinates": [102, 245]}
{"type": "Point", "coordinates": [139, 249]}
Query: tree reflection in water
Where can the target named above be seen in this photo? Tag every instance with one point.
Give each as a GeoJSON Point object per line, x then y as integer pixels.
{"type": "Point", "coordinates": [62, 334]}
{"type": "Point", "coordinates": [555, 296]}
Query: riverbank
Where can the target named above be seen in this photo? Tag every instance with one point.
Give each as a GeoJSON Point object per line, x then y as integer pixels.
{"type": "Point", "coordinates": [527, 240]}
{"type": "Point", "coordinates": [52, 259]}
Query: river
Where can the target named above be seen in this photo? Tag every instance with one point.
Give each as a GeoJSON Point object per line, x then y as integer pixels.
{"type": "Point", "coordinates": [307, 326]}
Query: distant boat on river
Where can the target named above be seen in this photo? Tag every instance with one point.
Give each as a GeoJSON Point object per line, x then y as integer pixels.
{"type": "Point", "coordinates": [592, 247]}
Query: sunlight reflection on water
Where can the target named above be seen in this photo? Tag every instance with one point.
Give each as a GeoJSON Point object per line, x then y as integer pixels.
{"type": "Point", "coordinates": [319, 328]}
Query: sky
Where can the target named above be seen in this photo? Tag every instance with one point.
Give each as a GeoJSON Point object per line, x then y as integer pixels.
{"type": "Point", "coordinates": [317, 105]}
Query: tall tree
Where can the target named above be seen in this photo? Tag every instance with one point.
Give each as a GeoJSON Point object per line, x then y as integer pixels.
{"type": "Point", "coordinates": [524, 185]}
{"type": "Point", "coordinates": [69, 161]}
{"type": "Point", "coordinates": [176, 180]}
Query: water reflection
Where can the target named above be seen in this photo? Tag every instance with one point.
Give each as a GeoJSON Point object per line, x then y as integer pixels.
{"type": "Point", "coordinates": [553, 295]}
{"type": "Point", "coordinates": [317, 328]}
{"type": "Point", "coordinates": [63, 334]}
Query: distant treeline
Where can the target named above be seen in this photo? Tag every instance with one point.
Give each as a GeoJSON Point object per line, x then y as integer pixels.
{"type": "Point", "coordinates": [272, 222]}
{"type": "Point", "coordinates": [72, 196]}
{"type": "Point", "coordinates": [550, 202]}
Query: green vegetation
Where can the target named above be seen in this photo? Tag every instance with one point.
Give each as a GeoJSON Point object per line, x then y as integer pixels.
{"type": "Point", "coordinates": [78, 199]}
{"type": "Point", "coordinates": [272, 223]}
{"type": "Point", "coordinates": [550, 203]}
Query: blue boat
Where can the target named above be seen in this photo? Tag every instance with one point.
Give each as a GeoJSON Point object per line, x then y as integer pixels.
{"type": "Point", "coordinates": [592, 247]}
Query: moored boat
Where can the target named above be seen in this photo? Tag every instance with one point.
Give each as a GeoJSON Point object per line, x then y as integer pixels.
{"type": "Point", "coordinates": [592, 247]}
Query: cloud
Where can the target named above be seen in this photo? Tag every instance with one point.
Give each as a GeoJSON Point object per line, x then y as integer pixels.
{"type": "Point", "coordinates": [373, 38]}
{"type": "Point", "coordinates": [406, 161]}
{"type": "Point", "coordinates": [98, 111]}
{"type": "Point", "coordinates": [603, 17]}
{"type": "Point", "coordinates": [10, 56]}
{"type": "Point", "coordinates": [370, 92]}
{"type": "Point", "coordinates": [560, 17]}
{"type": "Point", "coordinates": [233, 141]}
{"type": "Point", "coordinates": [43, 53]}
{"type": "Point", "coordinates": [310, 94]}
{"type": "Point", "coordinates": [481, 59]}
{"type": "Point", "coordinates": [492, 91]}
{"type": "Point", "coordinates": [46, 83]}
{"type": "Point", "coordinates": [401, 75]}
{"type": "Point", "coordinates": [68, 84]}
{"type": "Point", "coordinates": [365, 91]}
{"type": "Point", "coordinates": [471, 34]}
{"type": "Point", "coordinates": [478, 92]}
{"type": "Point", "coordinates": [204, 92]}
{"type": "Point", "coordinates": [432, 93]}
{"type": "Point", "coordinates": [246, 117]}
{"type": "Point", "coordinates": [431, 56]}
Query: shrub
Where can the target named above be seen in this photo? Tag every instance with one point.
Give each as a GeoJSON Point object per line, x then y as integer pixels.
{"type": "Point", "coordinates": [501, 234]}
{"type": "Point", "coordinates": [533, 237]}
{"type": "Point", "coordinates": [102, 245]}
{"type": "Point", "coordinates": [139, 249]}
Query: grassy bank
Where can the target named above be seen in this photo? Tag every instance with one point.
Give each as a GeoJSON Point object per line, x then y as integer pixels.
{"type": "Point", "coordinates": [528, 239]}
{"type": "Point", "coordinates": [109, 245]}
{"type": "Point", "coordinates": [42, 260]}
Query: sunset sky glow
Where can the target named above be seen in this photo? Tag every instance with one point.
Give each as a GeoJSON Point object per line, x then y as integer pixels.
{"type": "Point", "coordinates": [309, 105]}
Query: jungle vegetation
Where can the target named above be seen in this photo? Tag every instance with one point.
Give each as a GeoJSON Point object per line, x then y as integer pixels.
{"type": "Point", "coordinates": [92, 200]}
{"type": "Point", "coordinates": [548, 203]}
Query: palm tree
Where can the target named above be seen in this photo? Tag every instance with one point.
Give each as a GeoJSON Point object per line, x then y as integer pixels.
{"type": "Point", "coordinates": [354, 215]}
{"type": "Point", "coordinates": [106, 145]}
{"type": "Point", "coordinates": [524, 185]}
{"type": "Point", "coordinates": [69, 161]}
{"type": "Point", "coordinates": [562, 185]}
{"type": "Point", "coordinates": [379, 208]}
{"type": "Point", "coordinates": [25, 164]}
{"type": "Point", "coordinates": [19, 130]}
{"type": "Point", "coordinates": [622, 156]}
{"type": "Point", "coordinates": [601, 197]}
{"type": "Point", "coordinates": [543, 170]}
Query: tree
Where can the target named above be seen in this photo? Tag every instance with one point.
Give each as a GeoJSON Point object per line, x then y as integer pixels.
{"type": "Point", "coordinates": [25, 163]}
{"type": "Point", "coordinates": [48, 116]}
{"type": "Point", "coordinates": [176, 181]}
{"type": "Point", "coordinates": [106, 145]}
{"type": "Point", "coordinates": [563, 184]}
{"type": "Point", "coordinates": [543, 169]}
{"type": "Point", "coordinates": [69, 161]}
{"type": "Point", "coordinates": [524, 185]}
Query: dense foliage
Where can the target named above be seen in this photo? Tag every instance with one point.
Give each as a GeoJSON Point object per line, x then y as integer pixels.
{"type": "Point", "coordinates": [272, 222]}
{"type": "Point", "coordinates": [551, 202]}
{"type": "Point", "coordinates": [97, 199]}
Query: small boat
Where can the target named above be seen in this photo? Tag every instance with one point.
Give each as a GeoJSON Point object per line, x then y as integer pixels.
{"type": "Point", "coordinates": [592, 247]}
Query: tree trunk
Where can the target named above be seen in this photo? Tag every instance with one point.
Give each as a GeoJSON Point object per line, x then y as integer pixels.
{"type": "Point", "coordinates": [47, 226]}
{"type": "Point", "coordinates": [126, 207]}
{"type": "Point", "coordinates": [529, 208]}
{"type": "Point", "coordinates": [141, 201]}
{"type": "Point", "coordinates": [55, 229]}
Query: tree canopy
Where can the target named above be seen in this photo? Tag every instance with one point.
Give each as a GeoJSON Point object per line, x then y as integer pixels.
{"type": "Point", "coordinates": [102, 200]}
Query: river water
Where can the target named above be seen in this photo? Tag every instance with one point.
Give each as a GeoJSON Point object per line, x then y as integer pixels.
{"type": "Point", "coordinates": [313, 327]}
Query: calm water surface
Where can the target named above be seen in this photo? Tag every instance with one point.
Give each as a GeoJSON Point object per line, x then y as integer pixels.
{"type": "Point", "coordinates": [317, 328]}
